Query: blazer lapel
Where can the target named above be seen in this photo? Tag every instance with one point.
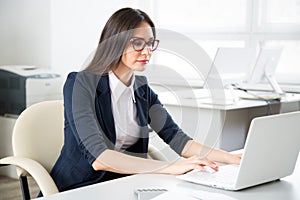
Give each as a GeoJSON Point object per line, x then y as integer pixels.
{"type": "Point", "coordinates": [142, 110]}
{"type": "Point", "coordinates": [105, 115]}
{"type": "Point", "coordinates": [141, 102]}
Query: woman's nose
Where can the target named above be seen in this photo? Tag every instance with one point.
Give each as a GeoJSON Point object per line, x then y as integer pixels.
{"type": "Point", "coordinates": [146, 50]}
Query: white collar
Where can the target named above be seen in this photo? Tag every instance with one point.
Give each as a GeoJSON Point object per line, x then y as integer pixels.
{"type": "Point", "coordinates": [117, 87]}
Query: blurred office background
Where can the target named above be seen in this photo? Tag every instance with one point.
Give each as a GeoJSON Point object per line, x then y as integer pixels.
{"type": "Point", "coordinates": [61, 34]}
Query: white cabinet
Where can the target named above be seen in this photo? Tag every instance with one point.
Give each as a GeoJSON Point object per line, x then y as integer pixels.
{"type": "Point", "coordinates": [6, 128]}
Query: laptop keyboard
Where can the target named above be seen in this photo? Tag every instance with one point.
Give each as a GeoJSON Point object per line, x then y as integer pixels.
{"type": "Point", "coordinates": [225, 177]}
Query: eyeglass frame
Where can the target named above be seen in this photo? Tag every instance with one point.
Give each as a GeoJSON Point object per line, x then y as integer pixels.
{"type": "Point", "coordinates": [149, 43]}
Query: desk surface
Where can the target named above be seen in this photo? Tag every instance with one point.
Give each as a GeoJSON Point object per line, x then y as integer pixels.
{"type": "Point", "coordinates": [123, 188]}
{"type": "Point", "coordinates": [193, 98]}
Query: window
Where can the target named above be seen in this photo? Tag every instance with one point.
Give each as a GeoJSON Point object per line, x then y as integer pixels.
{"type": "Point", "coordinates": [278, 24]}
{"type": "Point", "coordinates": [201, 15]}
{"type": "Point", "coordinates": [280, 12]}
{"type": "Point", "coordinates": [232, 23]}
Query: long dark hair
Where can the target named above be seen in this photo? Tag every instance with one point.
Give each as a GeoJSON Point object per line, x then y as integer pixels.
{"type": "Point", "coordinates": [116, 33]}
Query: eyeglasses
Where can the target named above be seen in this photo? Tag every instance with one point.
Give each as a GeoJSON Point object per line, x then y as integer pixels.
{"type": "Point", "coordinates": [139, 44]}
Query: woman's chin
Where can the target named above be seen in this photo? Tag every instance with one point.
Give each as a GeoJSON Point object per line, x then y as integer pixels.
{"type": "Point", "coordinates": [140, 68]}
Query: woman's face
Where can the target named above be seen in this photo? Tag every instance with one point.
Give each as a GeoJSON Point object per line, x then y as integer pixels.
{"type": "Point", "coordinates": [137, 60]}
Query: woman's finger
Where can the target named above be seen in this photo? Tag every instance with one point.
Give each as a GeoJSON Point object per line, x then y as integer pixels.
{"type": "Point", "coordinates": [201, 162]}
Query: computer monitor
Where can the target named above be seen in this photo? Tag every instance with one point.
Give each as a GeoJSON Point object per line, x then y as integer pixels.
{"type": "Point", "coordinates": [234, 63]}
{"type": "Point", "coordinates": [265, 68]}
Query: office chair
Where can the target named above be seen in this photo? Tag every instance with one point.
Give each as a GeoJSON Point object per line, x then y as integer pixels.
{"type": "Point", "coordinates": [37, 141]}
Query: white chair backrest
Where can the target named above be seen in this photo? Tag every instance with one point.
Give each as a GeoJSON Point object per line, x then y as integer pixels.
{"type": "Point", "coordinates": [38, 133]}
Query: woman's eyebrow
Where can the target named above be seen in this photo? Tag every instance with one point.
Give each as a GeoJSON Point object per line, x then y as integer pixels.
{"type": "Point", "coordinates": [151, 38]}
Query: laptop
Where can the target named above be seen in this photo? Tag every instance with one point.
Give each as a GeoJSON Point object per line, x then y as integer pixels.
{"type": "Point", "coordinates": [270, 153]}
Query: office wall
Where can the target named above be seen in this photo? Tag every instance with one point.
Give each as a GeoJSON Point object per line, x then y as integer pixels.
{"type": "Point", "coordinates": [25, 32]}
{"type": "Point", "coordinates": [76, 27]}
{"type": "Point", "coordinates": [57, 34]}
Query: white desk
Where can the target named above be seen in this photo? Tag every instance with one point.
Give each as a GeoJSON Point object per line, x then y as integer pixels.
{"type": "Point", "coordinates": [226, 125]}
{"type": "Point", "coordinates": [288, 188]}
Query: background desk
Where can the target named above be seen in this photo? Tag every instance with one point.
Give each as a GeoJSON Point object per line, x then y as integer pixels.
{"type": "Point", "coordinates": [288, 188]}
{"type": "Point", "coordinates": [229, 122]}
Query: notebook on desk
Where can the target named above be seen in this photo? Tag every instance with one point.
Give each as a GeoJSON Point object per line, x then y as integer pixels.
{"type": "Point", "coordinates": [270, 153]}
{"type": "Point", "coordinates": [265, 96]}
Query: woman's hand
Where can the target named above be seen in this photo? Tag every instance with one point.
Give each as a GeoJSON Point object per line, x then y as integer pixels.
{"type": "Point", "coordinates": [189, 164]}
{"type": "Point", "coordinates": [118, 162]}
{"type": "Point", "coordinates": [217, 155]}
{"type": "Point", "coordinates": [233, 158]}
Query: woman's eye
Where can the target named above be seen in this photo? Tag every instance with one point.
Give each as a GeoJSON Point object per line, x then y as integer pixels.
{"type": "Point", "coordinates": [138, 43]}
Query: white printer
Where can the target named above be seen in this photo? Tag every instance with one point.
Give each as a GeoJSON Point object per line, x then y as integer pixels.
{"type": "Point", "coordinates": [22, 86]}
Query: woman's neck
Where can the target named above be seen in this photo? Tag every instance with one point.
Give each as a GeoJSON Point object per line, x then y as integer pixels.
{"type": "Point", "coordinates": [123, 75]}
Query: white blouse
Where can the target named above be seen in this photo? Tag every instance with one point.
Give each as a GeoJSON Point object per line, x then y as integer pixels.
{"type": "Point", "coordinates": [124, 112]}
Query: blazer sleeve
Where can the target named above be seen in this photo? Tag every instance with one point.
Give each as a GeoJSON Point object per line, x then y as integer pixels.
{"type": "Point", "coordinates": [79, 101]}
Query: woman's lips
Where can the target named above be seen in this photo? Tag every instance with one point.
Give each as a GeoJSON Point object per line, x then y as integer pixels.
{"type": "Point", "coordinates": [143, 61]}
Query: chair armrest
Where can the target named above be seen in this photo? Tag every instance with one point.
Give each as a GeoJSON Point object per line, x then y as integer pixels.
{"type": "Point", "coordinates": [36, 170]}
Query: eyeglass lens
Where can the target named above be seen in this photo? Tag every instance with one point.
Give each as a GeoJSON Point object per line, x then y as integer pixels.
{"type": "Point", "coordinates": [139, 44]}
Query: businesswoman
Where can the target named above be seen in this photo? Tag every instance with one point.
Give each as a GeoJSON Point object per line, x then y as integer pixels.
{"type": "Point", "coordinates": [108, 109]}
